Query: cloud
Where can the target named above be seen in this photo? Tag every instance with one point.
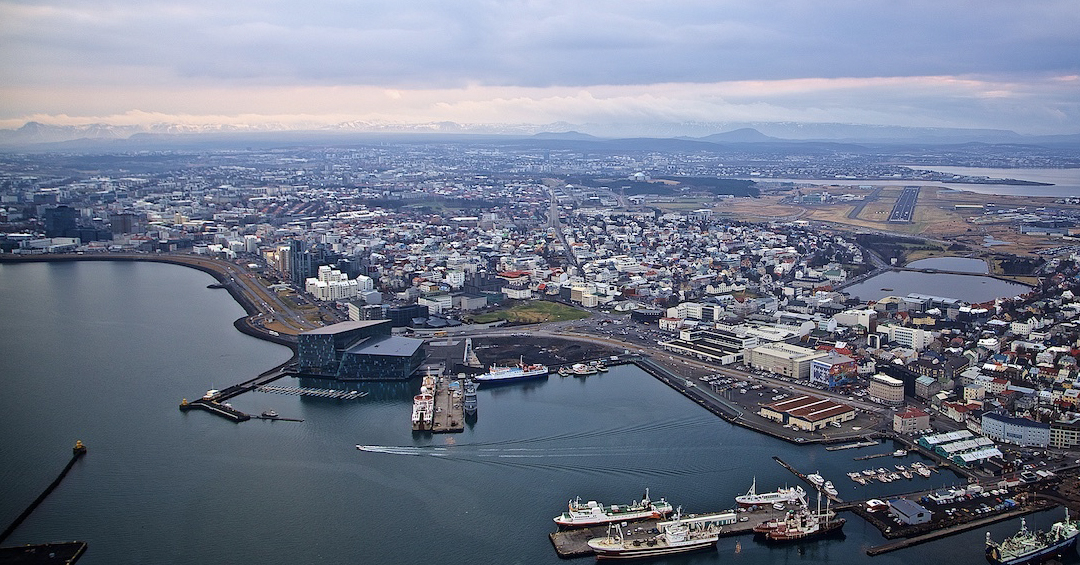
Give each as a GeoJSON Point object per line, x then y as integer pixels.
{"type": "Point", "coordinates": [703, 57]}
{"type": "Point", "coordinates": [1044, 106]}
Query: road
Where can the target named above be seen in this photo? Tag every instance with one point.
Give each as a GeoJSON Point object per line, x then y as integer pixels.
{"type": "Point", "coordinates": [553, 221]}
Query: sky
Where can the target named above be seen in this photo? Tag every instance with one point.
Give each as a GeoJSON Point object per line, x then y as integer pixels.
{"type": "Point", "coordinates": [938, 63]}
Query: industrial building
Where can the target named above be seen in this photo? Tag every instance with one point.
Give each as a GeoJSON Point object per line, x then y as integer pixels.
{"type": "Point", "coordinates": [808, 413]}
{"type": "Point", "coordinates": [909, 512]}
{"type": "Point", "coordinates": [358, 350]}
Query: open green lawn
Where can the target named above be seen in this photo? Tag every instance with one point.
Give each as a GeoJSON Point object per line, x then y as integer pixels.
{"type": "Point", "coordinates": [533, 312]}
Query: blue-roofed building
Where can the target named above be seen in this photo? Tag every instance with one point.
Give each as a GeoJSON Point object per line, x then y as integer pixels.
{"type": "Point", "coordinates": [1018, 431]}
{"type": "Point", "coordinates": [909, 512]}
{"type": "Point", "coordinates": [358, 350]}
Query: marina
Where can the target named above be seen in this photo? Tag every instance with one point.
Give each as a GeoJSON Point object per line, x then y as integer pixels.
{"type": "Point", "coordinates": [312, 392]}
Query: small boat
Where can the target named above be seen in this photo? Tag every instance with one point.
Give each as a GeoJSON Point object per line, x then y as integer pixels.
{"type": "Point", "coordinates": [582, 370]}
{"type": "Point", "coordinates": [899, 453]}
{"type": "Point", "coordinates": [907, 474]}
{"type": "Point", "coordinates": [270, 415]}
{"type": "Point", "coordinates": [855, 476]}
{"type": "Point", "coordinates": [830, 489]}
{"type": "Point", "coordinates": [816, 479]}
{"type": "Point", "coordinates": [874, 505]}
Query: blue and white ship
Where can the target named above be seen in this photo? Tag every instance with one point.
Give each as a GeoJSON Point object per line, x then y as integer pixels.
{"type": "Point", "coordinates": [1028, 546]}
{"type": "Point", "coordinates": [516, 373]}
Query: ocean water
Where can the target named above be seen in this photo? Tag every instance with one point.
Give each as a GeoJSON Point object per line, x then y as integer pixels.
{"type": "Point", "coordinates": [103, 352]}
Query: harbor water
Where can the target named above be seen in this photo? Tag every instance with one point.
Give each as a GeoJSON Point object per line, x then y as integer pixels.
{"type": "Point", "coordinates": [103, 352]}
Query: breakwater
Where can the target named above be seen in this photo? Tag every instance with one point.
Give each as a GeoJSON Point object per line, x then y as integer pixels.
{"type": "Point", "coordinates": [77, 452]}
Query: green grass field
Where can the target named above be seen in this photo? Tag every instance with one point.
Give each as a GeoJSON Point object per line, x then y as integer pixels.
{"type": "Point", "coordinates": [534, 312]}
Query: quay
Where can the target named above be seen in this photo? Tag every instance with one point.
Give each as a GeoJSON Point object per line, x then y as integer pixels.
{"type": "Point", "coordinates": [575, 542]}
{"type": "Point", "coordinates": [449, 407]}
{"type": "Point", "coordinates": [945, 532]}
{"type": "Point", "coordinates": [76, 453]}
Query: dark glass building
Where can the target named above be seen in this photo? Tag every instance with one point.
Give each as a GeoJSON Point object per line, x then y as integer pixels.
{"type": "Point", "coordinates": [359, 350]}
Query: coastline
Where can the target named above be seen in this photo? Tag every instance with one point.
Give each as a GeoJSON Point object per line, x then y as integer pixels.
{"type": "Point", "coordinates": [650, 363]}
{"type": "Point", "coordinates": [212, 267]}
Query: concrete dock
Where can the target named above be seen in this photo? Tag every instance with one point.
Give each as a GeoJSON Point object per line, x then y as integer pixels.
{"type": "Point", "coordinates": [575, 542]}
{"type": "Point", "coordinates": [449, 407]}
{"type": "Point", "coordinates": [63, 553]}
{"type": "Point", "coordinates": [227, 412]}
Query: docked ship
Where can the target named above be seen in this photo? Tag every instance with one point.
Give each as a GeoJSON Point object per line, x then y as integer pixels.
{"type": "Point", "coordinates": [423, 411]}
{"type": "Point", "coordinates": [518, 372]}
{"type": "Point", "coordinates": [679, 535]}
{"type": "Point", "coordinates": [782, 495]}
{"type": "Point", "coordinates": [1028, 546]}
{"type": "Point", "coordinates": [470, 397]}
{"type": "Point", "coordinates": [592, 513]}
{"type": "Point", "coordinates": [801, 524]}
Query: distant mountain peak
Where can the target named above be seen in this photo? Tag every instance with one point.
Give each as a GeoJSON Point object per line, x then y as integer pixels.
{"type": "Point", "coordinates": [741, 135]}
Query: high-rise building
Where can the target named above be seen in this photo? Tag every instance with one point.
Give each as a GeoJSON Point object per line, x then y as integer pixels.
{"type": "Point", "coordinates": [61, 221]}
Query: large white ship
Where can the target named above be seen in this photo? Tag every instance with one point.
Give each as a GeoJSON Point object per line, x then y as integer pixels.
{"type": "Point", "coordinates": [679, 535]}
{"type": "Point", "coordinates": [505, 374]}
{"type": "Point", "coordinates": [781, 495]}
{"type": "Point", "coordinates": [592, 513]}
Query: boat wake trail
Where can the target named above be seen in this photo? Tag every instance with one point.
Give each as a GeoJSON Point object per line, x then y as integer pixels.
{"type": "Point", "coordinates": [624, 460]}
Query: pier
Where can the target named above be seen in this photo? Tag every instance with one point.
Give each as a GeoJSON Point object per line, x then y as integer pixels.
{"type": "Point", "coordinates": [575, 542]}
{"type": "Point", "coordinates": [802, 476]}
{"type": "Point", "coordinates": [872, 456]}
{"type": "Point", "coordinates": [214, 401]}
{"type": "Point", "coordinates": [855, 445]}
{"type": "Point", "coordinates": [264, 378]}
{"type": "Point", "coordinates": [449, 407]}
{"type": "Point", "coordinates": [207, 405]}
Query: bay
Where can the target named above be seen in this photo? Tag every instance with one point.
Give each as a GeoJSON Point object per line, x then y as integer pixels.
{"type": "Point", "coordinates": [970, 288]}
{"type": "Point", "coordinates": [103, 352]}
